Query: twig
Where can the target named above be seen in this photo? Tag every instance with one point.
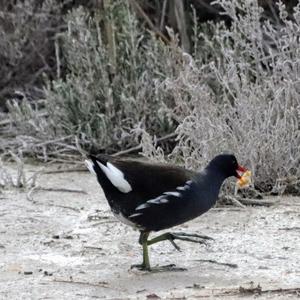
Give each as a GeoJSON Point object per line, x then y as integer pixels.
{"type": "Point", "coordinates": [148, 21]}
{"type": "Point", "coordinates": [101, 283]}
{"type": "Point", "coordinates": [61, 190]}
{"type": "Point", "coordinates": [218, 263]}
{"type": "Point", "coordinates": [67, 170]}
{"type": "Point", "coordinates": [259, 202]}
{"type": "Point", "coordinates": [163, 15]}
{"type": "Point", "coordinates": [57, 58]}
{"type": "Point", "coordinates": [283, 291]}
{"type": "Point", "coordinates": [29, 195]}
{"type": "Point", "coordinates": [258, 290]}
{"type": "Point", "coordinates": [227, 208]}
{"type": "Point", "coordinates": [31, 181]}
{"type": "Point", "coordinates": [93, 248]}
{"type": "Point", "coordinates": [289, 179]}
{"type": "Point", "coordinates": [139, 147]}
{"type": "Point", "coordinates": [66, 207]}
{"type": "Point", "coordinates": [104, 222]}
{"type": "Point", "coordinates": [251, 290]}
{"type": "Point", "coordinates": [289, 228]}
{"type": "Point", "coordinates": [54, 141]}
{"type": "Point", "coordinates": [62, 161]}
{"type": "Point", "coordinates": [21, 177]}
{"type": "Point", "coordinates": [30, 198]}
{"type": "Point", "coordinates": [127, 151]}
{"type": "Point", "coordinates": [179, 12]}
{"type": "Point", "coordinates": [234, 201]}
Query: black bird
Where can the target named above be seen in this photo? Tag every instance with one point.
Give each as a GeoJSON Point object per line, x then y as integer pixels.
{"type": "Point", "coordinates": [152, 197]}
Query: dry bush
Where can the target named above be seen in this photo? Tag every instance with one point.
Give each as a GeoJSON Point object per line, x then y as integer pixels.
{"type": "Point", "coordinates": [113, 82]}
{"type": "Point", "coordinates": [27, 33]}
{"type": "Point", "coordinates": [15, 177]}
{"type": "Point", "coordinates": [113, 85]}
{"type": "Point", "coordinates": [237, 92]}
{"type": "Point", "coordinates": [244, 96]}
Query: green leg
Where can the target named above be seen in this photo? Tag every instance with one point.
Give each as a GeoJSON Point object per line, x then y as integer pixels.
{"type": "Point", "coordinates": [146, 262]}
{"type": "Point", "coordinates": [143, 240]}
{"type": "Point", "coordinates": [164, 237]}
{"type": "Point", "coordinates": [168, 236]}
{"type": "Point", "coordinates": [195, 238]}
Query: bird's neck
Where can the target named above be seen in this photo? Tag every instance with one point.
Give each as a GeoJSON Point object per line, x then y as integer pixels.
{"type": "Point", "coordinates": [214, 175]}
{"type": "Point", "coordinates": [213, 182]}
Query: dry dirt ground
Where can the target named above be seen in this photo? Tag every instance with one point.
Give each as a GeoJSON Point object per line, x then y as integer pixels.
{"type": "Point", "coordinates": [64, 244]}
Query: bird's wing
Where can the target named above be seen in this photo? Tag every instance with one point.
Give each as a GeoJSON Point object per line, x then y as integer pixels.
{"type": "Point", "coordinates": [146, 181]}
{"type": "Point", "coordinates": [168, 209]}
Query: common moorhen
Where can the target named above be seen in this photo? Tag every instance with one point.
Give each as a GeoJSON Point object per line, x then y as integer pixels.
{"type": "Point", "coordinates": [152, 197]}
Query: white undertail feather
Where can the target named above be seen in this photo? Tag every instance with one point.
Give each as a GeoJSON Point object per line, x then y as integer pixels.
{"type": "Point", "coordinates": [116, 177]}
{"type": "Point", "coordinates": [125, 220]}
{"type": "Point", "coordinates": [175, 194]}
{"type": "Point", "coordinates": [181, 188]}
{"type": "Point", "coordinates": [89, 164]}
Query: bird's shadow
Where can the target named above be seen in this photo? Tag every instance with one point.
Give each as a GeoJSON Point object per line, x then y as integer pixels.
{"type": "Point", "coordinates": [158, 269]}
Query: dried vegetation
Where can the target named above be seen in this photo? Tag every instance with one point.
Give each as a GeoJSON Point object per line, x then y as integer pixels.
{"type": "Point", "coordinates": [117, 83]}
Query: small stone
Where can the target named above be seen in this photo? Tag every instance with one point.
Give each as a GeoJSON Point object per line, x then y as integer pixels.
{"type": "Point", "coordinates": [263, 268]}
{"type": "Point", "coordinates": [153, 296]}
{"type": "Point", "coordinates": [28, 273]}
{"type": "Point", "coordinates": [46, 273]}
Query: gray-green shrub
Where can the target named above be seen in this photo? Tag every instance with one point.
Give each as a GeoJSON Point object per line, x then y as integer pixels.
{"type": "Point", "coordinates": [238, 91]}
{"type": "Point", "coordinates": [111, 87]}
{"type": "Point", "coordinates": [244, 97]}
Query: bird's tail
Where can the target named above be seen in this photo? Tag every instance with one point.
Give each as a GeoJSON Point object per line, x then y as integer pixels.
{"type": "Point", "coordinates": [107, 173]}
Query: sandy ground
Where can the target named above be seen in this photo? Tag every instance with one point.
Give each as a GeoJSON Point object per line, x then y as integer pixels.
{"type": "Point", "coordinates": [67, 245]}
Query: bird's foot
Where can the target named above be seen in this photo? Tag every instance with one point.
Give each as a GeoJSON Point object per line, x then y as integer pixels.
{"type": "Point", "coordinates": [158, 269]}
{"type": "Point", "coordinates": [171, 239]}
{"type": "Point", "coordinates": [171, 236]}
{"type": "Point", "coordinates": [168, 268]}
{"type": "Point", "coordinates": [190, 237]}
{"type": "Point", "coordinates": [164, 237]}
{"type": "Point", "coordinates": [141, 267]}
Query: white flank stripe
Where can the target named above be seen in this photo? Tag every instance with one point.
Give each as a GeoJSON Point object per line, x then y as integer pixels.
{"type": "Point", "coordinates": [89, 164]}
{"type": "Point", "coordinates": [175, 194]}
{"type": "Point", "coordinates": [116, 177]}
{"type": "Point", "coordinates": [163, 200]}
{"type": "Point", "coordinates": [158, 200]}
{"type": "Point", "coordinates": [153, 201]}
{"type": "Point", "coordinates": [181, 188]}
{"type": "Point", "coordinates": [142, 206]}
{"type": "Point", "coordinates": [124, 220]}
{"type": "Point", "coordinates": [135, 215]}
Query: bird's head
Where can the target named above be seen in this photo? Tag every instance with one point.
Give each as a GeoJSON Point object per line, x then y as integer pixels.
{"type": "Point", "coordinates": [227, 164]}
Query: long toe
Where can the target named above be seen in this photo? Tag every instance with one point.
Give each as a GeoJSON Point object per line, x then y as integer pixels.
{"type": "Point", "coordinates": [174, 244]}
{"type": "Point", "coordinates": [194, 238]}
{"type": "Point", "coordinates": [167, 268]}
{"type": "Point", "coordinates": [200, 236]}
{"type": "Point", "coordinates": [141, 267]}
